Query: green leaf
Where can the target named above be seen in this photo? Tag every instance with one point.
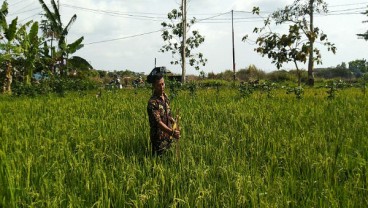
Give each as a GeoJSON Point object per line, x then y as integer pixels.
{"type": "Point", "coordinates": [73, 47]}
{"type": "Point", "coordinates": [255, 10]}
{"type": "Point", "coordinates": [33, 33]}
{"type": "Point", "coordinates": [12, 30]}
{"type": "Point", "coordinates": [3, 12]}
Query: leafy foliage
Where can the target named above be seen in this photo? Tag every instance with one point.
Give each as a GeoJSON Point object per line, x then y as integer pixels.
{"type": "Point", "coordinates": [333, 86]}
{"type": "Point", "coordinates": [29, 42]}
{"type": "Point", "coordinates": [246, 89]}
{"type": "Point", "coordinates": [358, 66]}
{"type": "Point", "coordinates": [54, 28]}
{"type": "Point", "coordinates": [298, 91]}
{"type": "Point", "coordinates": [174, 87]}
{"type": "Point", "coordinates": [295, 45]}
{"type": "Point", "coordinates": [192, 86]}
{"type": "Point", "coordinates": [28, 53]}
{"type": "Point", "coordinates": [57, 85]}
{"type": "Point", "coordinates": [79, 63]}
{"type": "Point", "coordinates": [250, 73]}
{"type": "Point", "coordinates": [172, 35]}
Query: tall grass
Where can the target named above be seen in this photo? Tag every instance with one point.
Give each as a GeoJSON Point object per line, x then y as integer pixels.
{"type": "Point", "coordinates": [79, 151]}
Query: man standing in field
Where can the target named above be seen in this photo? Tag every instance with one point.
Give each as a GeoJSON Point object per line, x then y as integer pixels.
{"type": "Point", "coordinates": [159, 114]}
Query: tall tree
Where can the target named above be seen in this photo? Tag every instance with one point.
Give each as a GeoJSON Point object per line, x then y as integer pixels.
{"type": "Point", "coordinates": [364, 35]}
{"type": "Point", "coordinates": [283, 48]}
{"type": "Point", "coordinates": [54, 28]}
{"type": "Point", "coordinates": [177, 41]}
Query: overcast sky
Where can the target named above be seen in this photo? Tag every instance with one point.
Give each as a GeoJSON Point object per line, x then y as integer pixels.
{"type": "Point", "coordinates": [120, 34]}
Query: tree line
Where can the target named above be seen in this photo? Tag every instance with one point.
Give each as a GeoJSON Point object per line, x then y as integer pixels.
{"type": "Point", "coordinates": [354, 70]}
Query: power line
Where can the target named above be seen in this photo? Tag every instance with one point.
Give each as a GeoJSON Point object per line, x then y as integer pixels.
{"type": "Point", "coordinates": [329, 6]}
{"type": "Point", "coordinates": [21, 1]}
{"type": "Point", "coordinates": [134, 15]}
{"type": "Point", "coordinates": [24, 7]}
{"type": "Point", "coordinates": [352, 9]}
{"type": "Point", "coordinates": [29, 17]}
{"type": "Point", "coordinates": [343, 5]}
{"type": "Point", "coordinates": [112, 13]}
{"type": "Point", "coordinates": [338, 14]}
{"type": "Point", "coordinates": [137, 14]}
{"type": "Point", "coordinates": [208, 18]}
{"type": "Point", "coordinates": [141, 14]}
{"type": "Point", "coordinates": [147, 33]}
{"type": "Point", "coordinates": [122, 38]}
{"type": "Point", "coordinates": [13, 14]}
{"type": "Point", "coordinates": [141, 34]}
{"type": "Point", "coordinates": [148, 16]}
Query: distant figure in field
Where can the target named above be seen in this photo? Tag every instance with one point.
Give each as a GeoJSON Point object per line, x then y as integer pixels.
{"type": "Point", "coordinates": [116, 82]}
{"type": "Point", "coordinates": [138, 81]}
{"type": "Point", "coordinates": [160, 116]}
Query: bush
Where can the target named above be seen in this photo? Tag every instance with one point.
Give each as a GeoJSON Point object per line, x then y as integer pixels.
{"type": "Point", "coordinates": [213, 83]}
{"type": "Point", "coordinates": [281, 76]}
{"type": "Point", "coordinates": [331, 73]}
{"type": "Point", "coordinates": [56, 85]}
{"type": "Point", "coordinates": [250, 73]}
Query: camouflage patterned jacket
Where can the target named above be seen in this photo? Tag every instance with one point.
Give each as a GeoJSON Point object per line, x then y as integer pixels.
{"type": "Point", "coordinates": [159, 110]}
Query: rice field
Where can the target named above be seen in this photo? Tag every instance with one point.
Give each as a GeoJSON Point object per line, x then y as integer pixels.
{"type": "Point", "coordinates": [83, 151]}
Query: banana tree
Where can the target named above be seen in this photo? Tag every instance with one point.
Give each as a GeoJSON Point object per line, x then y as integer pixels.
{"type": "Point", "coordinates": [54, 28]}
{"type": "Point", "coordinates": [8, 47]}
{"type": "Point", "coordinates": [29, 42]}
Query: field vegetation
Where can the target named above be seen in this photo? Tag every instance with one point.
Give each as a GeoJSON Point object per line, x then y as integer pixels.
{"type": "Point", "coordinates": [236, 150]}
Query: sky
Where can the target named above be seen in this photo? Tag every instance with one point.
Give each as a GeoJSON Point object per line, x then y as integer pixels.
{"type": "Point", "coordinates": [125, 34]}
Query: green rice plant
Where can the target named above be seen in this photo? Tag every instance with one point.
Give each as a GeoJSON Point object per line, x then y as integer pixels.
{"type": "Point", "coordinates": [363, 87]}
{"type": "Point", "coordinates": [83, 151]}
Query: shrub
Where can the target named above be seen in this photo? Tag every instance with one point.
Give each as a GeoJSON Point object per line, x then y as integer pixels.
{"type": "Point", "coordinates": [281, 76]}
{"type": "Point", "coordinates": [250, 73]}
{"type": "Point", "coordinates": [213, 83]}
{"type": "Point", "coordinates": [56, 85]}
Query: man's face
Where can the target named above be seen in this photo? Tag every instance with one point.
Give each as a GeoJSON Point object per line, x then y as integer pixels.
{"type": "Point", "coordinates": [159, 86]}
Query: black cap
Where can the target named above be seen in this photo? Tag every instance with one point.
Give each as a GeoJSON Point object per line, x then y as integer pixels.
{"type": "Point", "coordinates": [157, 72]}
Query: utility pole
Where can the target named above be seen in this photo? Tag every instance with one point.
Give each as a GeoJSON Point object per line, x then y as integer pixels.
{"type": "Point", "coordinates": [183, 44]}
{"type": "Point", "coordinates": [232, 26]}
